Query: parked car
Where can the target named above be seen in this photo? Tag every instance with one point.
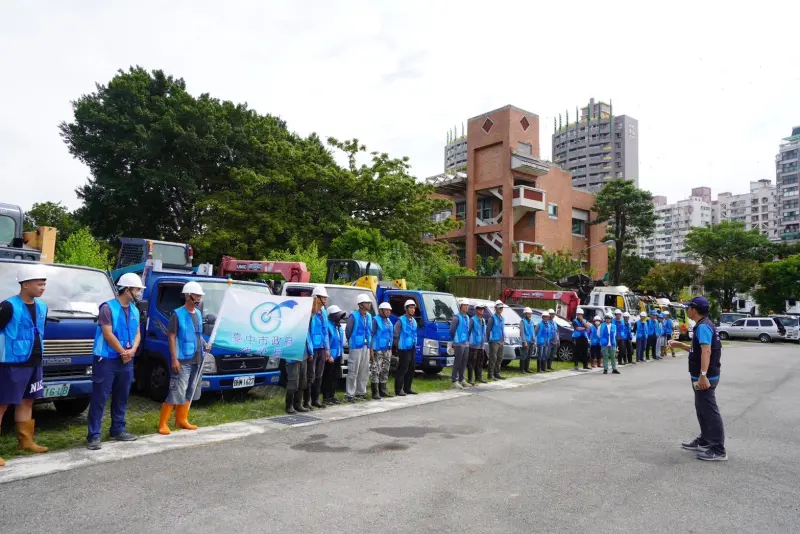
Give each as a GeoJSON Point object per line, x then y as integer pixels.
{"type": "Point", "coordinates": [566, 349]}
{"type": "Point", "coordinates": [513, 346]}
{"type": "Point", "coordinates": [728, 318]}
{"type": "Point", "coordinates": [765, 329]}
{"type": "Point", "coordinates": [792, 326]}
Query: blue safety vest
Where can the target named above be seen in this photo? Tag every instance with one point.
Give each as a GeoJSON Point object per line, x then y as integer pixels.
{"type": "Point", "coordinates": [319, 331]}
{"type": "Point", "coordinates": [628, 333]}
{"type": "Point", "coordinates": [462, 330]}
{"type": "Point", "coordinates": [667, 327]}
{"type": "Point", "coordinates": [641, 330]}
{"type": "Point", "coordinates": [336, 337]}
{"type": "Point", "coordinates": [545, 333]}
{"type": "Point", "coordinates": [361, 336]}
{"type": "Point", "coordinates": [651, 327]}
{"type": "Point", "coordinates": [124, 328]}
{"type": "Point", "coordinates": [528, 330]}
{"type": "Point", "coordinates": [383, 334]}
{"type": "Point", "coordinates": [576, 323]}
{"type": "Point", "coordinates": [187, 335]}
{"type": "Point", "coordinates": [594, 338]}
{"type": "Point", "coordinates": [16, 339]}
{"type": "Point", "coordinates": [620, 327]}
{"type": "Point", "coordinates": [497, 334]}
{"type": "Point", "coordinates": [478, 333]}
{"type": "Point", "coordinates": [408, 333]}
{"type": "Point", "coordinates": [606, 330]}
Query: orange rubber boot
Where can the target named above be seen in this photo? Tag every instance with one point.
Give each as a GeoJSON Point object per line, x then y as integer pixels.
{"type": "Point", "coordinates": [182, 417]}
{"type": "Point", "coordinates": [2, 462]}
{"type": "Point", "coordinates": [163, 423]}
{"type": "Point", "coordinates": [25, 438]}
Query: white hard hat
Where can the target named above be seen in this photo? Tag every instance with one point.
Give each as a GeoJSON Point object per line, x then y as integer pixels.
{"type": "Point", "coordinates": [499, 304]}
{"type": "Point", "coordinates": [463, 302]}
{"type": "Point", "coordinates": [319, 291]}
{"type": "Point", "coordinates": [609, 316]}
{"type": "Point", "coordinates": [409, 302]}
{"type": "Point", "coordinates": [579, 311]}
{"type": "Point", "coordinates": [130, 280]}
{"type": "Point", "coordinates": [666, 313]}
{"type": "Point", "coordinates": [545, 314]}
{"type": "Point", "coordinates": [617, 312]}
{"type": "Point", "coordinates": [385, 306]}
{"type": "Point", "coordinates": [643, 314]}
{"type": "Point", "coordinates": [527, 310]}
{"type": "Point", "coordinates": [626, 314]}
{"type": "Point", "coordinates": [597, 320]}
{"type": "Point", "coordinates": [362, 299]}
{"type": "Point", "coordinates": [192, 288]}
{"type": "Point", "coordinates": [551, 311]}
{"type": "Point", "coordinates": [334, 309]}
{"type": "Point", "coordinates": [27, 273]}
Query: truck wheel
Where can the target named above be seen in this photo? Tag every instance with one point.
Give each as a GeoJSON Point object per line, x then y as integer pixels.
{"type": "Point", "coordinates": [432, 371]}
{"type": "Point", "coordinates": [159, 381]}
{"type": "Point", "coordinates": [565, 352]}
{"type": "Point", "coordinates": [71, 407]}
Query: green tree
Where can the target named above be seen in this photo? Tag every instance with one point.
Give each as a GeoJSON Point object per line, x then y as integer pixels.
{"type": "Point", "coordinates": [629, 213]}
{"type": "Point", "coordinates": [488, 266]}
{"type": "Point", "coordinates": [779, 282]}
{"type": "Point", "coordinates": [553, 266]}
{"type": "Point", "coordinates": [355, 239]}
{"type": "Point", "coordinates": [81, 248]}
{"type": "Point", "coordinates": [724, 279]}
{"type": "Point", "coordinates": [634, 267]}
{"type": "Point", "coordinates": [316, 263]}
{"type": "Point", "coordinates": [727, 241]}
{"type": "Point", "coordinates": [51, 214]}
{"type": "Point", "coordinates": [670, 277]}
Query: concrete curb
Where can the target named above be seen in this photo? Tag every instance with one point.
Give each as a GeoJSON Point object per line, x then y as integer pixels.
{"type": "Point", "coordinates": [39, 465]}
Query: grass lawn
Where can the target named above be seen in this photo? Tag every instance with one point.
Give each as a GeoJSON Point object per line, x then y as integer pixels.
{"type": "Point", "coordinates": [58, 432]}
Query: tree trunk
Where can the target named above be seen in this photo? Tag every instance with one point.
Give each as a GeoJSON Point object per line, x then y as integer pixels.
{"type": "Point", "coordinates": [617, 261]}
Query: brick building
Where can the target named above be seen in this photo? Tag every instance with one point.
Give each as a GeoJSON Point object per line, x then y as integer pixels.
{"type": "Point", "coordinates": [513, 203]}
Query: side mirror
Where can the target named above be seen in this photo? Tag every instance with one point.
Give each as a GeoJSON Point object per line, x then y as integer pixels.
{"type": "Point", "coordinates": [208, 323]}
{"type": "Point", "coordinates": [143, 306]}
{"type": "Point", "coordinates": [17, 242]}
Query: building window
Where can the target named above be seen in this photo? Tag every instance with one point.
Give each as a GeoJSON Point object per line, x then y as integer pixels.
{"type": "Point", "coordinates": [619, 136]}
{"type": "Point", "coordinates": [619, 165]}
{"type": "Point", "coordinates": [552, 210]}
{"type": "Point", "coordinates": [484, 208]}
{"type": "Point", "coordinates": [532, 219]}
{"type": "Point", "coordinates": [619, 174]}
{"type": "Point", "coordinates": [524, 148]}
{"type": "Point", "coordinates": [618, 145]}
{"type": "Point", "coordinates": [461, 210]}
{"type": "Point", "coordinates": [579, 227]}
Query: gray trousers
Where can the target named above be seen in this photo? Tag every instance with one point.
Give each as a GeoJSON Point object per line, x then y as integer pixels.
{"type": "Point", "coordinates": [296, 375]}
{"type": "Point", "coordinates": [495, 358]}
{"type": "Point", "coordinates": [460, 362]}
{"type": "Point", "coordinates": [357, 372]}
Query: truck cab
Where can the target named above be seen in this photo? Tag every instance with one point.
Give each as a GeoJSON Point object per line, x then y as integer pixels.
{"type": "Point", "coordinates": [223, 370]}
{"type": "Point", "coordinates": [73, 297]}
{"type": "Point", "coordinates": [617, 297]}
{"type": "Point", "coordinates": [11, 238]}
{"type": "Point", "coordinates": [434, 312]}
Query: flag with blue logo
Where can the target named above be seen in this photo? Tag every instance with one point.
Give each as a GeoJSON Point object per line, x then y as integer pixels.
{"type": "Point", "coordinates": [255, 323]}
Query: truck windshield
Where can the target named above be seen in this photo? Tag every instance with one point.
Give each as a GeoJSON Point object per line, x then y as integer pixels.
{"type": "Point", "coordinates": [439, 306]}
{"type": "Point", "coordinates": [171, 255]}
{"type": "Point", "coordinates": [347, 298]}
{"type": "Point", "coordinates": [8, 229]}
{"type": "Point", "coordinates": [215, 291]}
{"type": "Point", "coordinates": [70, 290]}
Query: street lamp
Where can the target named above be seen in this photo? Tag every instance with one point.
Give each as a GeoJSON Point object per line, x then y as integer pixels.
{"type": "Point", "coordinates": [603, 244]}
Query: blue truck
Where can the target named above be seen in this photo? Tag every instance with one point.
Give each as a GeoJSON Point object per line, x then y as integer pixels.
{"type": "Point", "coordinates": [223, 370]}
{"type": "Point", "coordinates": [73, 298]}
{"type": "Point", "coordinates": [434, 312]}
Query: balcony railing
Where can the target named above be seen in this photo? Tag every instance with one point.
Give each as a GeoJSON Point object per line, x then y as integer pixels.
{"type": "Point", "coordinates": [528, 198]}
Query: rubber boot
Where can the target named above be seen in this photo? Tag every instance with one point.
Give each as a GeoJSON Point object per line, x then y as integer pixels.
{"type": "Point", "coordinates": [315, 397]}
{"type": "Point", "coordinates": [2, 462]}
{"type": "Point", "coordinates": [25, 437]}
{"type": "Point", "coordinates": [384, 393]}
{"type": "Point", "coordinates": [470, 374]}
{"type": "Point", "coordinates": [307, 400]}
{"type": "Point", "coordinates": [479, 376]}
{"type": "Point", "coordinates": [163, 422]}
{"type": "Point", "coordinates": [550, 364]}
{"type": "Point", "coordinates": [375, 393]}
{"type": "Point", "coordinates": [290, 403]}
{"type": "Point", "coordinates": [182, 417]}
{"type": "Point", "coordinates": [298, 405]}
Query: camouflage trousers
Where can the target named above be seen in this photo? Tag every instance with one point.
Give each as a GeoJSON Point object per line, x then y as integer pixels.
{"type": "Point", "coordinates": [379, 366]}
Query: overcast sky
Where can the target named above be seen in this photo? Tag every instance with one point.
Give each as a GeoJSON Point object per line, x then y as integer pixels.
{"type": "Point", "coordinates": [714, 89]}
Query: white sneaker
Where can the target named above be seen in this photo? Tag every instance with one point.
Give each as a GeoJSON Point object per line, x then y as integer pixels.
{"type": "Point", "coordinates": [456, 385]}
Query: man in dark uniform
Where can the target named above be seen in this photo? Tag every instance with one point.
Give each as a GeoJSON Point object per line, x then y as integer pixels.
{"type": "Point", "coordinates": [22, 320]}
{"type": "Point", "coordinates": [705, 354]}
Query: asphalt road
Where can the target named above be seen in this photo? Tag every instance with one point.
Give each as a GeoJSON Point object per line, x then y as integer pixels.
{"type": "Point", "coordinates": [587, 454]}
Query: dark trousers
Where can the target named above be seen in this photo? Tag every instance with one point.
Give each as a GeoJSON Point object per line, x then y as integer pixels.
{"type": "Point", "coordinates": [651, 347]}
{"type": "Point", "coordinates": [629, 350]}
{"type": "Point", "coordinates": [404, 374]}
{"type": "Point", "coordinates": [328, 379]}
{"type": "Point", "coordinates": [477, 357]}
{"type": "Point", "coordinates": [712, 431]}
{"type": "Point", "coordinates": [595, 353]}
{"type": "Point", "coordinates": [109, 377]}
{"type": "Point", "coordinates": [581, 351]}
{"type": "Point", "coordinates": [296, 378]}
{"type": "Point", "coordinates": [622, 350]}
{"type": "Point", "coordinates": [641, 349]}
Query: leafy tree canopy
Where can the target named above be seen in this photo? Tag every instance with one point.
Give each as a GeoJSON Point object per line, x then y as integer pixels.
{"type": "Point", "coordinates": [726, 241]}
{"type": "Point", "coordinates": [670, 278]}
{"type": "Point", "coordinates": [634, 267]}
{"type": "Point", "coordinates": [81, 248]}
{"type": "Point", "coordinates": [51, 214]}
{"type": "Point", "coordinates": [779, 282]}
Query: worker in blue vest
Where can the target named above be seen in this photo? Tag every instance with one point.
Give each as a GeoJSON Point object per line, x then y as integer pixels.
{"type": "Point", "coordinates": [22, 321]}
{"type": "Point", "coordinates": [336, 336]}
{"type": "Point", "coordinates": [580, 336]}
{"type": "Point", "coordinates": [359, 339]}
{"type": "Point", "coordinates": [544, 345]}
{"type": "Point", "coordinates": [495, 333]}
{"type": "Point", "coordinates": [619, 323]}
{"type": "Point", "coordinates": [381, 355]}
{"type": "Point", "coordinates": [186, 345]}
{"type": "Point", "coordinates": [651, 334]}
{"type": "Point", "coordinates": [459, 333]}
{"type": "Point", "coordinates": [115, 344]}
{"type": "Point", "coordinates": [640, 329]}
{"type": "Point", "coordinates": [659, 336]}
{"type": "Point", "coordinates": [405, 341]}
{"type": "Point", "coordinates": [321, 345]}
{"type": "Point", "coordinates": [594, 343]}
{"type": "Point", "coordinates": [477, 353]}
{"type": "Point", "coordinates": [608, 344]}
{"type": "Point", "coordinates": [668, 329]}
{"type": "Point", "coordinates": [628, 338]}
{"type": "Point", "coordinates": [528, 340]}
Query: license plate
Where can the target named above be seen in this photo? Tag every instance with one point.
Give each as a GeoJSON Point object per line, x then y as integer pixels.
{"type": "Point", "coordinates": [56, 390]}
{"type": "Point", "coordinates": [243, 381]}
{"type": "Point", "coordinates": [450, 361]}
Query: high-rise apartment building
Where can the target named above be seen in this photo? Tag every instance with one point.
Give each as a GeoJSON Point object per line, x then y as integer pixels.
{"type": "Point", "coordinates": [786, 175]}
{"type": "Point", "coordinates": [674, 221]}
{"type": "Point", "coordinates": [597, 147]}
{"type": "Point", "coordinates": [757, 209]}
{"type": "Point", "coordinates": [455, 154]}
